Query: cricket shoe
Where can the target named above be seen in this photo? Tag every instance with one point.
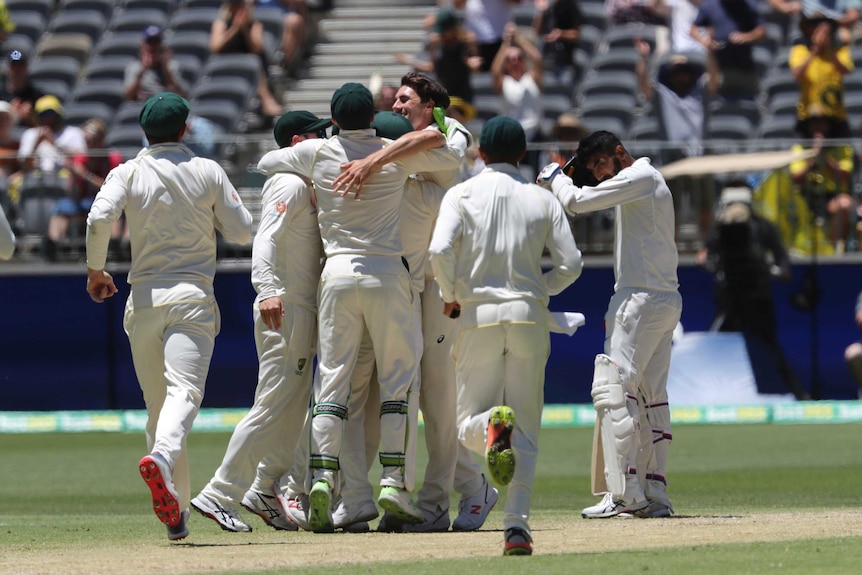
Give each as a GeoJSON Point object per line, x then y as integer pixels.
{"type": "Point", "coordinates": [389, 523]}
{"type": "Point", "coordinates": [399, 502]}
{"type": "Point", "coordinates": [654, 510]}
{"type": "Point", "coordinates": [518, 542]}
{"type": "Point", "coordinates": [608, 507]}
{"type": "Point", "coordinates": [156, 473]}
{"type": "Point", "coordinates": [355, 516]}
{"type": "Point", "coordinates": [227, 518]}
{"type": "Point", "coordinates": [320, 507]}
{"type": "Point", "coordinates": [296, 509]}
{"type": "Point", "coordinates": [474, 510]}
{"type": "Point", "coordinates": [180, 530]}
{"type": "Point", "coordinates": [268, 508]}
{"type": "Point", "coordinates": [435, 521]}
{"type": "Point", "coordinates": [499, 454]}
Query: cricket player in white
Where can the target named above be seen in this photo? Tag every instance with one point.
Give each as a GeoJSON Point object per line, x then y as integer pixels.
{"type": "Point", "coordinates": [641, 316]}
{"type": "Point", "coordinates": [486, 252]}
{"type": "Point", "coordinates": [285, 272]}
{"type": "Point", "coordinates": [450, 464]}
{"type": "Point", "coordinates": [364, 285]}
{"type": "Point", "coordinates": [174, 202]}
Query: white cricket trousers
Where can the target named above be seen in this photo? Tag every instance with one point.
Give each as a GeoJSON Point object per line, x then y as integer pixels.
{"type": "Point", "coordinates": [504, 364]}
{"type": "Point", "coordinates": [269, 432]}
{"type": "Point", "coordinates": [450, 464]}
{"type": "Point", "coordinates": [172, 346]}
{"type": "Point", "coordinates": [639, 327]}
{"type": "Point", "coordinates": [358, 293]}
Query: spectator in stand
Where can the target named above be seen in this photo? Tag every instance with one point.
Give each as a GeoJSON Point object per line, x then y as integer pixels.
{"type": "Point", "coordinates": [89, 170]}
{"type": "Point", "coordinates": [819, 65]}
{"type": "Point", "coordinates": [558, 23]}
{"type": "Point", "coordinates": [454, 56]}
{"type": "Point", "coordinates": [853, 353]}
{"type": "Point", "coordinates": [517, 77]}
{"type": "Point", "coordinates": [18, 89]}
{"type": "Point", "coordinates": [680, 93]}
{"type": "Point", "coordinates": [643, 12]}
{"type": "Point", "coordinates": [825, 179]}
{"type": "Point", "coordinates": [155, 71]}
{"type": "Point", "coordinates": [844, 12]}
{"type": "Point", "coordinates": [682, 15]}
{"type": "Point", "coordinates": [487, 20]}
{"type": "Point", "coordinates": [236, 31]}
{"type": "Point", "coordinates": [292, 30]}
{"type": "Point", "coordinates": [8, 142]}
{"type": "Point", "coordinates": [7, 26]}
{"type": "Point", "coordinates": [44, 152]}
{"type": "Point", "coordinates": [732, 28]}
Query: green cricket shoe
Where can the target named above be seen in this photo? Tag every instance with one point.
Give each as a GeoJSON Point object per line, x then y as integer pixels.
{"type": "Point", "coordinates": [320, 508]}
{"type": "Point", "coordinates": [399, 502]}
{"type": "Point", "coordinates": [499, 454]}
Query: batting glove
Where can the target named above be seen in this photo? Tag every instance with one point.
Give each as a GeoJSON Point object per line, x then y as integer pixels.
{"type": "Point", "coordinates": [547, 175]}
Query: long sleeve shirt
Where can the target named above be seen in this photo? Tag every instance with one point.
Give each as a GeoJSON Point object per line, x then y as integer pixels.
{"type": "Point", "coordinates": [369, 224]}
{"type": "Point", "coordinates": [286, 255]}
{"type": "Point", "coordinates": [645, 255]}
{"type": "Point", "coordinates": [489, 239]}
{"type": "Point", "coordinates": [174, 202]}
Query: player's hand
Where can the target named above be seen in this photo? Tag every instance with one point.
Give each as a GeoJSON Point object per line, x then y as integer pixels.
{"type": "Point", "coordinates": [271, 312]}
{"type": "Point", "coordinates": [547, 175]}
{"type": "Point", "coordinates": [859, 319]}
{"type": "Point", "coordinates": [451, 309]}
{"type": "Point", "coordinates": [353, 175]}
{"type": "Point", "coordinates": [100, 285]}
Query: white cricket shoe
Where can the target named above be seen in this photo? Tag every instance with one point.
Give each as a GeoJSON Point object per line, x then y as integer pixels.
{"type": "Point", "coordinates": [347, 516]}
{"type": "Point", "coordinates": [268, 508]}
{"type": "Point", "coordinates": [399, 502]}
{"type": "Point", "coordinates": [228, 518]}
{"type": "Point", "coordinates": [434, 522]}
{"type": "Point", "coordinates": [608, 507]}
{"type": "Point", "coordinates": [297, 510]}
{"type": "Point", "coordinates": [474, 510]}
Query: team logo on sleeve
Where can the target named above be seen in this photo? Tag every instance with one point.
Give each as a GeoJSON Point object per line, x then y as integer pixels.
{"type": "Point", "coordinates": [300, 365]}
{"type": "Point", "coordinates": [234, 196]}
{"type": "Point", "coordinates": [280, 207]}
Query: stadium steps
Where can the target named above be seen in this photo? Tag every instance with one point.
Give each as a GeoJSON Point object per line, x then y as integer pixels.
{"type": "Point", "coordinates": [357, 39]}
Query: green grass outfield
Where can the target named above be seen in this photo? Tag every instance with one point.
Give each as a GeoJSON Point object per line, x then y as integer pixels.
{"type": "Point", "coordinates": [68, 494]}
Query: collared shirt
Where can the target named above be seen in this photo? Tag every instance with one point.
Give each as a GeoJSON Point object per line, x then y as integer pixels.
{"type": "Point", "coordinates": [286, 256]}
{"type": "Point", "coordinates": [369, 224]}
{"type": "Point", "coordinates": [645, 253]}
{"type": "Point", "coordinates": [174, 202]}
{"type": "Point", "coordinates": [490, 236]}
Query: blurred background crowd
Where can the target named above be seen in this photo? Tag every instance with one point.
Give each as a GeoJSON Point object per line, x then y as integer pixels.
{"type": "Point", "coordinates": [675, 79]}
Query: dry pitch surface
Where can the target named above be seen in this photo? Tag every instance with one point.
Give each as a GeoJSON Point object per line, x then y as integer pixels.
{"type": "Point", "coordinates": [207, 550]}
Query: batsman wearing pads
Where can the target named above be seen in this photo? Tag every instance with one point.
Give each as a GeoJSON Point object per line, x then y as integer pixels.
{"type": "Point", "coordinates": [285, 272]}
{"type": "Point", "coordinates": [630, 381]}
{"type": "Point", "coordinates": [486, 252]}
{"type": "Point", "coordinates": [174, 202]}
{"type": "Point", "coordinates": [364, 285]}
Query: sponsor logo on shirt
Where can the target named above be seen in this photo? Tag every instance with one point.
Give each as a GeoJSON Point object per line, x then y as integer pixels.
{"type": "Point", "coordinates": [300, 365]}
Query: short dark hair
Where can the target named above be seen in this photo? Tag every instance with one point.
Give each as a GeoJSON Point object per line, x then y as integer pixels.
{"type": "Point", "coordinates": [426, 88]}
{"type": "Point", "coordinates": [169, 139]}
{"type": "Point", "coordinates": [600, 142]}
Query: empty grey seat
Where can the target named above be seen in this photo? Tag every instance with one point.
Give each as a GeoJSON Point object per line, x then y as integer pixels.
{"type": "Point", "coordinates": [487, 106]}
{"type": "Point", "coordinates": [62, 68]}
{"type": "Point", "coordinates": [29, 24]}
{"type": "Point", "coordinates": [223, 114]}
{"type": "Point", "coordinates": [20, 42]}
{"type": "Point", "coordinates": [245, 66]}
{"type": "Point", "coordinates": [127, 114]}
{"type": "Point", "coordinates": [109, 92]}
{"type": "Point", "coordinates": [777, 128]}
{"type": "Point", "coordinates": [608, 123]}
{"type": "Point", "coordinates": [193, 19]}
{"type": "Point", "coordinates": [165, 6]}
{"type": "Point", "coordinates": [190, 43]}
{"type": "Point", "coordinates": [104, 7]}
{"type": "Point", "coordinates": [210, 89]}
{"type": "Point", "coordinates": [137, 19]}
{"type": "Point", "coordinates": [594, 14]}
{"type": "Point", "coordinates": [43, 7]}
{"type": "Point", "coordinates": [610, 82]}
{"type": "Point", "coordinates": [128, 139]}
{"type": "Point", "coordinates": [646, 128]}
{"type": "Point", "coordinates": [783, 104]}
{"type": "Point", "coordinates": [119, 44]}
{"type": "Point", "coordinates": [623, 36]}
{"type": "Point", "coordinates": [555, 104]}
{"type": "Point", "coordinates": [721, 109]}
{"type": "Point", "coordinates": [616, 105]}
{"type": "Point", "coordinates": [618, 59]}
{"type": "Point", "coordinates": [76, 45]}
{"type": "Point", "coordinates": [76, 113]}
{"type": "Point", "coordinates": [780, 80]}
{"type": "Point", "coordinates": [54, 87]}
{"type": "Point", "coordinates": [89, 22]}
{"type": "Point", "coordinates": [107, 68]}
